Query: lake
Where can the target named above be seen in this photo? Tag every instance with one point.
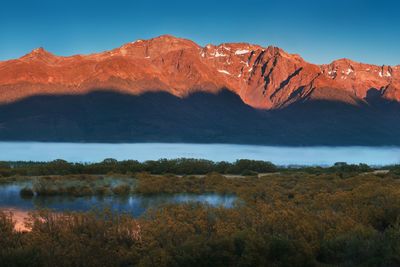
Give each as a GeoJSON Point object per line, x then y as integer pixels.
{"type": "Point", "coordinates": [133, 204]}
{"type": "Point", "coordinates": [92, 152]}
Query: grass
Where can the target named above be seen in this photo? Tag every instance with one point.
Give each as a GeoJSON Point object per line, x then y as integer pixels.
{"type": "Point", "coordinates": [290, 219]}
{"type": "Point", "coordinates": [146, 183]}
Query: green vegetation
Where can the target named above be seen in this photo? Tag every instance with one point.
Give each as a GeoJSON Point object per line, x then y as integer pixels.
{"type": "Point", "coordinates": [122, 189]}
{"type": "Point", "coordinates": [78, 185]}
{"type": "Point", "coordinates": [343, 215]}
{"type": "Point", "coordinates": [162, 166]}
{"type": "Point", "coordinates": [76, 179]}
{"type": "Point", "coordinates": [174, 166]}
{"type": "Point", "coordinates": [338, 216]}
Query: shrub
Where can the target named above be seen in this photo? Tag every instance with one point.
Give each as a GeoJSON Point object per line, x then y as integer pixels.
{"type": "Point", "coordinates": [122, 189]}
{"type": "Point", "coordinates": [102, 190]}
{"type": "Point", "coordinates": [26, 192]}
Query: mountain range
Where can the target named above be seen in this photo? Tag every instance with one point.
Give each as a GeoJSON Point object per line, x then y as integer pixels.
{"type": "Point", "coordinates": [169, 89]}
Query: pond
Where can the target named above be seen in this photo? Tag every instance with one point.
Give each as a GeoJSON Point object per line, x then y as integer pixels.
{"type": "Point", "coordinates": [135, 205]}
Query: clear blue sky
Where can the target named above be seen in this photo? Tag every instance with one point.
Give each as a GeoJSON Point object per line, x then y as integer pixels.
{"type": "Point", "coordinates": [320, 31]}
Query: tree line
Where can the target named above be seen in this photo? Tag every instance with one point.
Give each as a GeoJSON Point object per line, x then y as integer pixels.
{"type": "Point", "coordinates": [162, 166]}
{"type": "Point", "coordinates": [181, 166]}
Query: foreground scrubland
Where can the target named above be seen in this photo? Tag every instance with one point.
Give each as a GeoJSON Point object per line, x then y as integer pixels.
{"type": "Point", "coordinates": [346, 215]}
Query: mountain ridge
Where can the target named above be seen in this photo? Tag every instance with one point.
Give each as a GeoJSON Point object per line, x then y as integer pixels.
{"type": "Point", "coordinates": [263, 77]}
{"type": "Point", "coordinates": [110, 117]}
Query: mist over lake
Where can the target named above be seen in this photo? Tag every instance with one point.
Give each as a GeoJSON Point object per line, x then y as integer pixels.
{"type": "Point", "coordinates": [95, 152]}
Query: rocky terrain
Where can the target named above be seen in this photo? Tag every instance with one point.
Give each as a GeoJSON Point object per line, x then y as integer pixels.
{"type": "Point", "coordinates": [265, 78]}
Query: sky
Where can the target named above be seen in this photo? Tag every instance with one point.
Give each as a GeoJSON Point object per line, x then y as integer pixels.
{"type": "Point", "coordinates": [319, 30]}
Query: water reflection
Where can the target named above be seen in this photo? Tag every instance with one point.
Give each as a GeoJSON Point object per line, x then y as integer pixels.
{"type": "Point", "coordinates": [133, 204]}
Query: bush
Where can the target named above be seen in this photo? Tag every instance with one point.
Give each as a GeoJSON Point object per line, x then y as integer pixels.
{"type": "Point", "coordinates": [102, 190]}
{"type": "Point", "coordinates": [44, 188]}
{"type": "Point", "coordinates": [252, 165]}
{"type": "Point", "coordinates": [292, 219]}
{"type": "Point", "coordinates": [122, 189]}
{"type": "Point", "coordinates": [26, 193]}
{"type": "Point", "coordinates": [83, 191]}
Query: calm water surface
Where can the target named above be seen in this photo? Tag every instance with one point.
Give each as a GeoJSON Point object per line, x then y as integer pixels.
{"type": "Point", "coordinates": [84, 152]}
{"type": "Point", "coordinates": [133, 204]}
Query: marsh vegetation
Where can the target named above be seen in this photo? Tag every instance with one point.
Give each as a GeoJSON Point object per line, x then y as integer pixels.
{"type": "Point", "coordinates": [345, 215]}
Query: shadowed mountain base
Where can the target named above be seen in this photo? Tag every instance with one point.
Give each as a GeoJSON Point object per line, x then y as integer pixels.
{"type": "Point", "coordinates": [201, 117]}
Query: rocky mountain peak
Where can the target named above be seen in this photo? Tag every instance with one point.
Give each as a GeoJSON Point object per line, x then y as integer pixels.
{"type": "Point", "coordinates": [264, 77]}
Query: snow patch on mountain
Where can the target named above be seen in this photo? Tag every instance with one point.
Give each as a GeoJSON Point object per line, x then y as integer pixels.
{"type": "Point", "coordinates": [224, 72]}
{"type": "Point", "coordinates": [242, 52]}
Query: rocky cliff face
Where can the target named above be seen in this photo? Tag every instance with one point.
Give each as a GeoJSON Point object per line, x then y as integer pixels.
{"type": "Point", "coordinates": [265, 78]}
